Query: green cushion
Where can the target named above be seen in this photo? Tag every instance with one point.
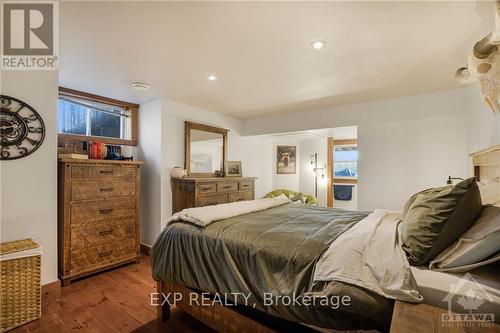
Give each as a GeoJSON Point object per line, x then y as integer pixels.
{"type": "Point", "coordinates": [308, 199]}
{"type": "Point", "coordinates": [435, 218]}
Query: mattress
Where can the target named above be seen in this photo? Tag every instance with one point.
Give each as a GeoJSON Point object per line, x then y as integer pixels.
{"type": "Point", "coordinates": [444, 290]}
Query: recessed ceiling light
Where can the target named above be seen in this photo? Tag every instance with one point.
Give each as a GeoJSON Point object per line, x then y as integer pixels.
{"type": "Point", "coordinates": [318, 44]}
{"type": "Point", "coordinates": [140, 86]}
{"type": "Point", "coordinates": [212, 77]}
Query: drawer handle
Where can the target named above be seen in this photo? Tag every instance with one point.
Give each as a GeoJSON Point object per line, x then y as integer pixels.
{"type": "Point", "coordinates": [105, 232]}
{"type": "Point", "coordinates": [204, 189]}
{"type": "Point", "coordinates": [105, 254]}
{"type": "Point", "coordinates": [107, 189]}
{"type": "Point", "coordinates": [105, 211]}
{"type": "Point", "coordinates": [227, 187]}
{"type": "Point", "coordinates": [109, 172]}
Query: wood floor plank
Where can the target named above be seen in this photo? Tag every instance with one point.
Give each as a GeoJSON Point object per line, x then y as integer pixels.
{"type": "Point", "coordinates": [114, 301]}
{"type": "Point", "coordinates": [50, 320]}
{"type": "Point", "coordinates": [134, 305]}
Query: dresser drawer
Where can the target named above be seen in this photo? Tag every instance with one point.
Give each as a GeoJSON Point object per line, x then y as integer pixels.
{"type": "Point", "coordinates": [245, 185]}
{"type": "Point", "coordinates": [81, 190]}
{"type": "Point", "coordinates": [211, 200]}
{"type": "Point", "coordinates": [97, 256]}
{"type": "Point", "coordinates": [102, 171]}
{"type": "Point", "coordinates": [92, 234]}
{"type": "Point", "coordinates": [226, 187]}
{"type": "Point", "coordinates": [103, 210]}
{"type": "Point", "coordinates": [207, 188]}
{"type": "Point", "coordinates": [240, 196]}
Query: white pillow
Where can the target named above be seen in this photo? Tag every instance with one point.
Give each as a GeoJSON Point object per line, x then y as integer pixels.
{"type": "Point", "coordinates": [478, 243]}
{"type": "Point", "coordinates": [282, 196]}
{"type": "Point", "coordinates": [490, 192]}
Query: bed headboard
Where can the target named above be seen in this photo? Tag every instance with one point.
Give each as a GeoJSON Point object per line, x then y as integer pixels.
{"type": "Point", "coordinates": [486, 164]}
{"type": "Point", "coordinates": [487, 171]}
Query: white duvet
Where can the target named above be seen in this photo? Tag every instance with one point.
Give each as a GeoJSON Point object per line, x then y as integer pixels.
{"type": "Point", "coordinates": [369, 255]}
{"type": "Point", "coordinates": [203, 216]}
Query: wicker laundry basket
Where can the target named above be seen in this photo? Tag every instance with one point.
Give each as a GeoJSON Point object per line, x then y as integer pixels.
{"type": "Point", "coordinates": [20, 289]}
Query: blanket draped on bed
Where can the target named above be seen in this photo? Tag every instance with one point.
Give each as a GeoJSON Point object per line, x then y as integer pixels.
{"type": "Point", "coordinates": [271, 251]}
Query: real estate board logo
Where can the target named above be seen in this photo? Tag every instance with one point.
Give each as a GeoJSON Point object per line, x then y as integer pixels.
{"type": "Point", "coordinates": [465, 299]}
{"type": "Point", "coordinates": [29, 35]}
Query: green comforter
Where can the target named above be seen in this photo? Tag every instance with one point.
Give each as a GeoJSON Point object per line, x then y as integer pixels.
{"type": "Point", "coordinates": [271, 252]}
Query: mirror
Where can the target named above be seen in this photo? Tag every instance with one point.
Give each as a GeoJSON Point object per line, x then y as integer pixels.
{"type": "Point", "coordinates": [205, 150]}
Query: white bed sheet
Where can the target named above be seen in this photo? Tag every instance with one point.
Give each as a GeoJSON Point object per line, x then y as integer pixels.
{"type": "Point", "coordinates": [485, 283]}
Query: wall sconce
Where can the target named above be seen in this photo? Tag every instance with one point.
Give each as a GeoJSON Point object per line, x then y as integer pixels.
{"type": "Point", "coordinates": [316, 170]}
{"type": "Point", "coordinates": [451, 179]}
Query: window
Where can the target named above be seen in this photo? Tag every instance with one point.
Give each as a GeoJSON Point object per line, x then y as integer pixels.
{"type": "Point", "coordinates": [345, 161]}
{"type": "Point", "coordinates": [88, 117]}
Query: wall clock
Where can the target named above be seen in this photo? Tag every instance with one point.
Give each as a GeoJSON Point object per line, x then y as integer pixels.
{"type": "Point", "coordinates": [21, 129]}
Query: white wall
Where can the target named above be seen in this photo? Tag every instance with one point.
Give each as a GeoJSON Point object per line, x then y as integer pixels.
{"type": "Point", "coordinates": [400, 158]}
{"type": "Point", "coordinates": [29, 185]}
{"type": "Point", "coordinates": [406, 144]}
{"type": "Point", "coordinates": [438, 104]}
{"type": "Point", "coordinates": [307, 148]}
{"type": "Point", "coordinates": [149, 150]}
{"type": "Point", "coordinates": [165, 147]}
{"type": "Point", "coordinates": [482, 125]}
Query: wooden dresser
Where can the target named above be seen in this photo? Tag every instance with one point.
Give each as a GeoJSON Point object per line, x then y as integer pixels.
{"type": "Point", "coordinates": [99, 215]}
{"type": "Point", "coordinates": [198, 192]}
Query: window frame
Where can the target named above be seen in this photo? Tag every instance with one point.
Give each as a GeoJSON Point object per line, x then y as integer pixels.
{"type": "Point", "coordinates": [331, 143]}
{"type": "Point", "coordinates": [131, 107]}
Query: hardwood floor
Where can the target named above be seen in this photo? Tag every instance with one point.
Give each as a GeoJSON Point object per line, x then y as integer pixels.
{"type": "Point", "coordinates": [115, 301]}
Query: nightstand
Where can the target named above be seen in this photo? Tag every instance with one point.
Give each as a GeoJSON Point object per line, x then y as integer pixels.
{"type": "Point", "coordinates": [423, 318]}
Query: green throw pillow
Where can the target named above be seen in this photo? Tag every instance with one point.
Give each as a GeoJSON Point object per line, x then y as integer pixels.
{"type": "Point", "coordinates": [435, 218]}
{"type": "Point", "coordinates": [297, 197]}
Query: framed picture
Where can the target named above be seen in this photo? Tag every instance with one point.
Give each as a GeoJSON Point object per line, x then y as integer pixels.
{"type": "Point", "coordinates": [233, 169]}
{"type": "Point", "coordinates": [286, 159]}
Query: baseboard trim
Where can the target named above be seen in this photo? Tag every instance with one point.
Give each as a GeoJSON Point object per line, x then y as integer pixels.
{"type": "Point", "coordinates": [145, 249]}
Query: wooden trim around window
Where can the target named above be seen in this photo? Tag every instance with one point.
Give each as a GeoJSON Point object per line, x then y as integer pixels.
{"type": "Point", "coordinates": [329, 173]}
{"type": "Point", "coordinates": [329, 167]}
{"type": "Point", "coordinates": [134, 116]}
{"type": "Point", "coordinates": [345, 142]}
{"type": "Point", "coordinates": [345, 181]}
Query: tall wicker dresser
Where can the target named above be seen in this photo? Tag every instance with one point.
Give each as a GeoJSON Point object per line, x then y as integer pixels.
{"type": "Point", "coordinates": [99, 215]}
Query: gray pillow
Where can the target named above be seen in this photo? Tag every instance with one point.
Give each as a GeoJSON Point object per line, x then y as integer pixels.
{"type": "Point", "coordinates": [437, 217]}
{"type": "Point", "coordinates": [427, 192]}
{"type": "Point", "coordinates": [477, 244]}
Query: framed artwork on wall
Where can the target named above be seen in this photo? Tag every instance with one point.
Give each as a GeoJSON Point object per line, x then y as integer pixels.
{"type": "Point", "coordinates": [286, 159]}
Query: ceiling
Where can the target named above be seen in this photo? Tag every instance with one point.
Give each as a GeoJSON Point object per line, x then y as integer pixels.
{"type": "Point", "coordinates": [261, 51]}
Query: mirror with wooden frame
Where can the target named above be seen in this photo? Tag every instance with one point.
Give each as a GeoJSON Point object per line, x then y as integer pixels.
{"type": "Point", "coordinates": [205, 149]}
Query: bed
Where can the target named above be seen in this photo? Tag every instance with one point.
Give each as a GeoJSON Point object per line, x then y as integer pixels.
{"type": "Point", "coordinates": [275, 252]}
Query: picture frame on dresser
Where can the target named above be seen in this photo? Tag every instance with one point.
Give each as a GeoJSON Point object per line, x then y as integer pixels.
{"type": "Point", "coordinates": [98, 216]}
{"type": "Point", "coordinates": [233, 169]}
